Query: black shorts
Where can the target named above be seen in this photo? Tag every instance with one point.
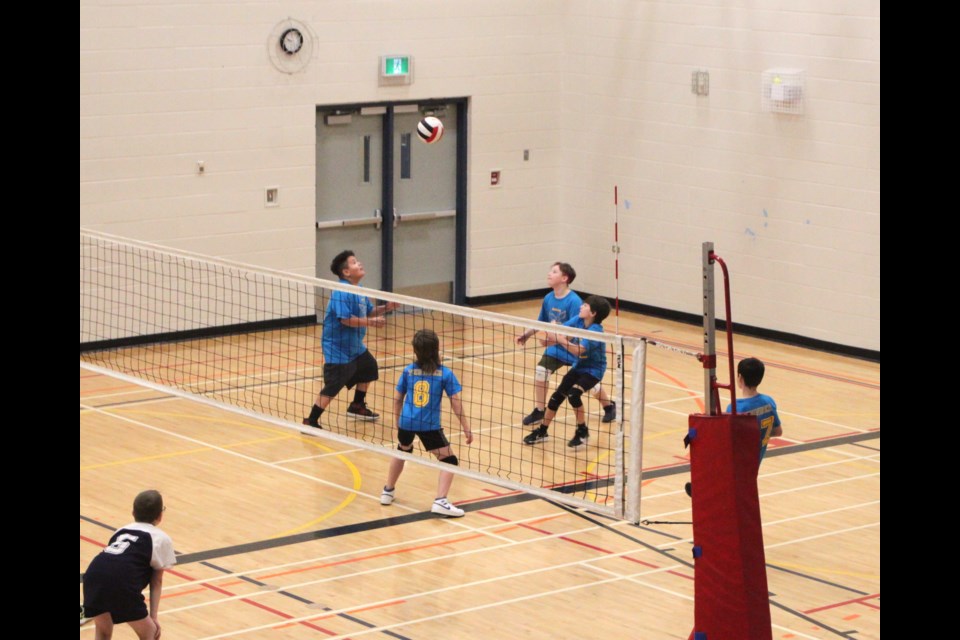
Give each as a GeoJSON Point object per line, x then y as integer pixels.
{"type": "Point", "coordinates": [574, 378]}
{"type": "Point", "coordinates": [551, 364]}
{"type": "Point", "coordinates": [431, 440]}
{"type": "Point", "coordinates": [361, 369]}
{"type": "Point", "coordinates": [104, 593]}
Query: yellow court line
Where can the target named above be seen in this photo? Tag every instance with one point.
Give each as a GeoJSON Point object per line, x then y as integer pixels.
{"type": "Point", "coordinates": [280, 435]}
{"type": "Point", "coordinates": [357, 482]}
{"type": "Point", "coordinates": [186, 452]}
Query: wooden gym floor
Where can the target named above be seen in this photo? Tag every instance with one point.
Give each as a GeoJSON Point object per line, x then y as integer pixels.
{"type": "Point", "coordinates": [282, 535]}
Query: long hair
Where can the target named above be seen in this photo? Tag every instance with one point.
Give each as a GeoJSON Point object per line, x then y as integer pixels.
{"type": "Point", "coordinates": [426, 346]}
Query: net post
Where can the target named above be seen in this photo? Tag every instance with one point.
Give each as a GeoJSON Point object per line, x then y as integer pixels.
{"type": "Point", "coordinates": [709, 334]}
{"type": "Point", "coordinates": [634, 472]}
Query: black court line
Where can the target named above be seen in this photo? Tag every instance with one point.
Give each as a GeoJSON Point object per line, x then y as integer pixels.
{"type": "Point", "coordinates": [301, 599]}
{"type": "Point", "coordinates": [492, 503]}
{"type": "Point", "coordinates": [98, 523]}
{"type": "Point", "coordinates": [820, 580]}
{"type": "Point", "coordinates": [690, 565]}
{"type": "Point", "coordinates": [877, 449]}
{"type": "Point", "coordinates": [258, 583]}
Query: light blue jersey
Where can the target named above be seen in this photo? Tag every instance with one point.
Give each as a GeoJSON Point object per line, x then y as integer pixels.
{"type": "Point", "coordinates": [423, 393]}
{"type": "Point", "coordinates": [560, 311]}
{"type": "Point", "coordinates": [762, 406]}
{"type": "Point", "coordinates": [343, 344]}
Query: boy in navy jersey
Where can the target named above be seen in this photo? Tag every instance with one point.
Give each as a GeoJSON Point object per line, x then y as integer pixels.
{"type": "Point", "coordinates": [136, 557]}
{"type": "Point", "coordinates": [417, 407]}
{"type": "Point", "coordinates": [585, 374]}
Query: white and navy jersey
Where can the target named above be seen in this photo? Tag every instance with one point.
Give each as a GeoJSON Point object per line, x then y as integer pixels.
{"type": "Point", "coordinates": [135, 551]}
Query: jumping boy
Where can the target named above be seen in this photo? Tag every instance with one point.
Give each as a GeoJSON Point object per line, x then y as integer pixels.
{"type": "Point", "coordinates": [559, 306]}
{"type": "Point", "coordinates": [346, 360]}
{"type": "Point", "coordinates": [417, 407]}
{"type": "Point", "coordinates": [585, 374]}
{"type": "Point", "coordinates": [136, 557]}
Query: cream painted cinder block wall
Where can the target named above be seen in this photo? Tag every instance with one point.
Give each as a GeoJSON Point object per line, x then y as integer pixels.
{"type": "Point", "coordinates": [792, 202]}
{"type": "Point", "coordinates": [164, 85]}
{"type": "Point", "coordinates": [598, 92]}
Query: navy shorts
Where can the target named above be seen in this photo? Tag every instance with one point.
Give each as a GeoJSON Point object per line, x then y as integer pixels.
{"type": "Point", "coordinates": [104, 593]}
{"type": "Point", "coordinates": [361, 369]}
{"type": "Point", "coordinates": [432, 440]}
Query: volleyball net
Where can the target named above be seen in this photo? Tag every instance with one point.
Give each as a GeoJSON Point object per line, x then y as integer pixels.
{"type": "Point", "coordinates": [248, 339]}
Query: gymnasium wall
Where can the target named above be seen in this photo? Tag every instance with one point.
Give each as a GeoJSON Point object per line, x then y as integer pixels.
{"type": "Point", "coordinates": [792, 202]}
{"type": "Point", "coordinates": [599, 93]}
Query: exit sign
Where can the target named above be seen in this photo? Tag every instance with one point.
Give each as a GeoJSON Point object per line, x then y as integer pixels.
{"type": "Point", "coordinates": [396, 69]}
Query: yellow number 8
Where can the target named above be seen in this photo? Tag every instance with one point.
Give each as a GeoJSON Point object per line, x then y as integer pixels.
{"type": "Point", "coordinates": [421, 393]}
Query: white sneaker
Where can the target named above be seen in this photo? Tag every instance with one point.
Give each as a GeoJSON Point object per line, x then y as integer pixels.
{"type": "Point", "coordinates": [386, 497]}
{"type": "Point", "coordinates": [445, 508]}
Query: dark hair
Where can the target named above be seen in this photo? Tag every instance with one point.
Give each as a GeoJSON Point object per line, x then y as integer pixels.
{"type": "Point", "coordinates": [600, 307]}
{"type": "Point", "coordinates": [147, 506]}
{"type": "Point", "coordinates": [567, 270]}
{"type": "Point", "coordinates": [340, 262]}
{"type": "Point", "coordinates": [752, 371]}
{"type": "Point", "coordinates": [426, 346]}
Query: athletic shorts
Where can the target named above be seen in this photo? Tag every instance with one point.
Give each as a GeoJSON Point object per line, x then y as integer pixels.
{"type": "Point", "coordinates": [574, 378]}
{"type": "Point", "coordinates": [104, 593]}
{"type": "Point", "coordinates": [361, 369]}
{"type": "Point", "coordinates": [551, 364]}
{"type": "Point", "coordinates": [432, 440]}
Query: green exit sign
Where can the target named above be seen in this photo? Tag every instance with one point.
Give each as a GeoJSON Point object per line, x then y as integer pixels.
{"type": "Point", "coordinates": [396, 65]}
{"type": "Point", "coordinates": [396, 69]}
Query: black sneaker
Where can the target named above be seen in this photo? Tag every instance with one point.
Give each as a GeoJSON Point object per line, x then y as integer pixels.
{"type": "Point", "coordinates": [689, 489]}
{"type": "Point", "coordinates": [309, 423]}
{"type": "Point", "coordinates": [361, 412]}
{"type": "Point", "coordinates": [537, 435]}
{"type": "Point", "coordinates": [535, 417]}
{"type": "Point", "coordinates": [580, 437]}
{"type": "Point", "coordinates": [609, 412]}
{"type": "Point", "coordinates": [83, 619]}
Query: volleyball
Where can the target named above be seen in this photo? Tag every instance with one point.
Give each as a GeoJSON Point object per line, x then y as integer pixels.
{"type": "Point", "coordinates": [430, 129]}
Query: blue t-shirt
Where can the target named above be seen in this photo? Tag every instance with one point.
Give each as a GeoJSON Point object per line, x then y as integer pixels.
{"type": "Point", "coordinates": [423, 395]}
{"type": "Point", "coordinates": [560, 311]}
{"type": "Point", "coordinates": [593, 359]}
{"type": "Point", "coordinates": [762, 406]}
{"type": "Point", "coordinates": [343, 344]}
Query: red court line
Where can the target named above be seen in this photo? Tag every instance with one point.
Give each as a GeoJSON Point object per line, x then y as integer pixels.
{"type": "Point", "coordinates": [584, 544]}
{"type": "Point", "coordinates": [861, 600]}
{"type": "Point", "coordinates": [371, 556]}
{"type": "Point", "coordinates": [692, 393]}
{"type": "Point", "coordinates": [277, 612]}
{"type": "Point", "coordinates": [351, 611]}
{"type": "Point", "coordinates": [100, 390]}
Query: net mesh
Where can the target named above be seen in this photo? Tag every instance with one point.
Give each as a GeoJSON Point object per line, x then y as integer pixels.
{"type": "Point", "coordinates": [250, 338]}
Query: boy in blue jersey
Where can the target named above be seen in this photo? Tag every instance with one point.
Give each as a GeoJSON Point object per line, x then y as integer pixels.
{"type": "Point", "coordinates": [417, 407]}
{"type": "Point", "coordinates": [584, 375]}
{"type": "Point", "coordinates": [135, 557]}
{"type": "Point", "coordinates": [560, 306]}
{"type": "Point", "coordinates": [749, 376]}
{"type": "Point", "coordinates": [346, 360]}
